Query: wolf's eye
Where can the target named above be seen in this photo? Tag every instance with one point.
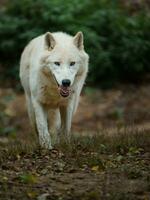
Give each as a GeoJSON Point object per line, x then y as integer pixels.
{"type": "Point", "coordinates": [57, 63]}
{"type": "Point", "coordinates": [72, 63]}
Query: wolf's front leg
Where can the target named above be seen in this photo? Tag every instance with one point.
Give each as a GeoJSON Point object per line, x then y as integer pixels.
{"type": "Point", "coordinates": [42, 124]}
{"type": "Point", "coordinates": [66, 120]}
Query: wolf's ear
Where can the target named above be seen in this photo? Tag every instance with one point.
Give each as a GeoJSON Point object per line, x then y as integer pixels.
{"type": "Point", "coordinates": [78, 40]}
{"type": "Point", "coordinates": [49, 41]}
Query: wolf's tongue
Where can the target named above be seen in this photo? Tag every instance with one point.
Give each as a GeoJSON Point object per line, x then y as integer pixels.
{"type": "Point", "coordinates": [64, 91]}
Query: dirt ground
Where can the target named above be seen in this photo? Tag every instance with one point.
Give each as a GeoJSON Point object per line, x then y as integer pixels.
{"type": "Point", "coordinates": [100, 167]}
{"type": "Point", "coordinates": [98, 109]}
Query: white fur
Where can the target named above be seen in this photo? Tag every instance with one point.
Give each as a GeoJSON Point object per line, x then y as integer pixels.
{"type": "Point", "coordinates": [40, 75]}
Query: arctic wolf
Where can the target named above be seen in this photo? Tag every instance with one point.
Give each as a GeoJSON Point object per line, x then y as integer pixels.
{"type": "Point", "coordinates": [53, 69]}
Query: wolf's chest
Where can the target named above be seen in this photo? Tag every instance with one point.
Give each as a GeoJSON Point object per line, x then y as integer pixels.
{"type": "Point", "coordinates": [51, 97]}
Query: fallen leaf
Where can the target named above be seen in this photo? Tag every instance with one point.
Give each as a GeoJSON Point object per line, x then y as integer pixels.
{"type": "Point", "coordinates": [95, 168]}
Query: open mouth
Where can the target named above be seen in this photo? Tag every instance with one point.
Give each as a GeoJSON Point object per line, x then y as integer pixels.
{"type": "Point", "coordinates": [64, 91]}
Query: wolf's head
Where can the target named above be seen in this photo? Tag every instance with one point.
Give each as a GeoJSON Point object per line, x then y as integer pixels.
{"type": "Point", "coordinates": [66, 58]}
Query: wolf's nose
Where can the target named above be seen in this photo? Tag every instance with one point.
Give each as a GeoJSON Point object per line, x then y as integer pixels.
{"type": "Point", "coordinates": [66, 82]}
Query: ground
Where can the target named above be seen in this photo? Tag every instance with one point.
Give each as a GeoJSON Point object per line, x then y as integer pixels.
{"type": "Point", "coordinates": [108, 157]}
{"type": "Point", "coordinates": [90, 168]}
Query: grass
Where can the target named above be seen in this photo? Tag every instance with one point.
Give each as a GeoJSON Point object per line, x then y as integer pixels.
{"type": "Point", "coordinates": [103, 166]}
{"type": "Point", "coordinates": [104, 142]}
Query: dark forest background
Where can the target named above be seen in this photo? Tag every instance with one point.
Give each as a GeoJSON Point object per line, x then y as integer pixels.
{"type": "Point", "coordinates": [116, 35]}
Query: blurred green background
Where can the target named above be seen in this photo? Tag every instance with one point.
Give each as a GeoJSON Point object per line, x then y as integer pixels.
{"type": "Point", "coordinates": [116, 35]}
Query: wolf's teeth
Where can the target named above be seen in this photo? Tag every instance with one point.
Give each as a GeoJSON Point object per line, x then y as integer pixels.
{"type": "Point", "coordinates": [64, 91]}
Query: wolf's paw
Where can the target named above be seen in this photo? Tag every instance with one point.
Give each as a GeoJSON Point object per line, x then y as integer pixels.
{"type": "Point", "coordinates": [45, 143]}
{"type": "Point", "coordinates": [47, 146]}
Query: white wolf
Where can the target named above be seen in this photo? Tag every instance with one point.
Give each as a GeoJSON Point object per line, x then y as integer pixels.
{"type": "Point", "coordinates": [53, 69]}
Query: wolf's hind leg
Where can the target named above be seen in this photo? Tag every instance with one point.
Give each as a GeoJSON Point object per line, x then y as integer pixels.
{"type": "Point", "coordinates": [31, 113]}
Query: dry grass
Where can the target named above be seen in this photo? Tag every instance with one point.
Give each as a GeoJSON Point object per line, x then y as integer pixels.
{"type": "Point", "coordinates": [103, 142]}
